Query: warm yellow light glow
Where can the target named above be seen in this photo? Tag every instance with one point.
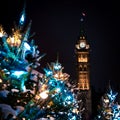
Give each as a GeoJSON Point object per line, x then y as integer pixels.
{"type": "Point", "coordinates": [43, 88]}
{"type": "Point", "coordinates": [48, 106]}
{"type": "Point", "coordinates": [0, 80]}
{"type": "Point", "coordinates": [1, 34]}
{"type": "Point", "coordinates": [61, 76]}
{"type": "Point", "coordinates": [44, 94]}
{"type": "Point", "coordinates": [75, 111]}
{"type": "Point", "coordinates": [56, 75]}
{"type": "Point", "coordinates": [81, 59]}
{"type": "Point", "coordinates": [1, 31]}
{"type": "Point", "coordinates": [37, 97]}
{"type": "Point", "coordinates": [106, 100]}
{"type": "Point", "coordinates": [15, 40]}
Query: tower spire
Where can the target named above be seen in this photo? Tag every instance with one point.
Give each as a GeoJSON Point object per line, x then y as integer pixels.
{"type": "Point", "coordinates": [82, 26]}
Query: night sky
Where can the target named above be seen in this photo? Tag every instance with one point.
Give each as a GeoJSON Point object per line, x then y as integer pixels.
{"type": "Point", "coordinates": [57, 26]}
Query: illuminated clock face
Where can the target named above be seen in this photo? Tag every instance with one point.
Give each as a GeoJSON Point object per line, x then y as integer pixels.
{"type": "Point", "coordinates": [82, 44]}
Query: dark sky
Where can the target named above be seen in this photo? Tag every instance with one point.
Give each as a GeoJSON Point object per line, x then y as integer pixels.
{"type": "Point", "coordinates": [57, 26]}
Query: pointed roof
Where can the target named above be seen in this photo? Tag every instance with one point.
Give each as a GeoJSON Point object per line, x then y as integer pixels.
{"type": "Point", "coordinates": [82, 26]}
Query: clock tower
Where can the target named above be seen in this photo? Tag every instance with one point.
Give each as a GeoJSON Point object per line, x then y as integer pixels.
{"type": "Point", "coordinates": [82, 51]}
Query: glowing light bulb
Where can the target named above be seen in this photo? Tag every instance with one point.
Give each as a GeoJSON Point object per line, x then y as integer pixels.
{"type": "Point", "coordinates": [44, 94]}
{"type": "Point", "coordinates": [18, 74]}
{"type": "Point", "coordinates": [106, 100]}
{"type": "Point", "coordinates": [27, 46]}
{"type": "Point", "coordinates": [22, 19]}
{"type": "Point", "coordinates": [57, 66]}
{"type": "Point", "coordinates": [58, 90]}
{"type": "Point", "coordinates": [0, 80]}
{"type": "Point", "coordinates": [1, 34]}
{"type": "Point", "coordinates": [12, 40]}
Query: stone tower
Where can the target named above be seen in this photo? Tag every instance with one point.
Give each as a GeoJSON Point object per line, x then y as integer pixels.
{"type": "Point", "coordinates": [82, 52]}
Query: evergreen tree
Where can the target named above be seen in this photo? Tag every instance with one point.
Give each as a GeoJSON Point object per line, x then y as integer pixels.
{"type": "Point", "coordinates": [108, 109]}
{"type": "Point", "coordinates": [27, 94]}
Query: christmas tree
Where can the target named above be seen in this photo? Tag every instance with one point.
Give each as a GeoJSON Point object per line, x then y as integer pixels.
{"type": "Point", "coordinates": [27, 94]}
{"type": "Point", "coordinates": [109, 109]}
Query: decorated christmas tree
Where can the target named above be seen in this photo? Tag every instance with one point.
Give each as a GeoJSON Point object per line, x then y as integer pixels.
{"type": "Point", "coordinates": [109, 109]}
{"type": "Point", "coordinates": [27, 94]}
